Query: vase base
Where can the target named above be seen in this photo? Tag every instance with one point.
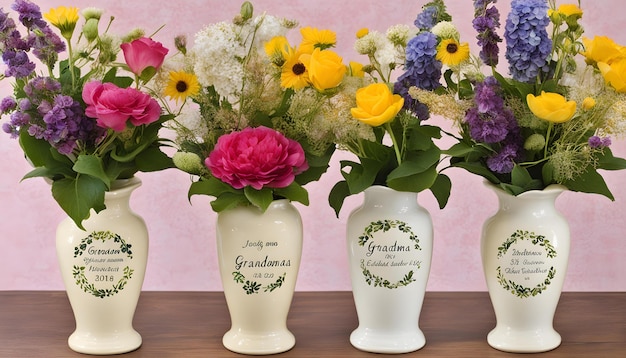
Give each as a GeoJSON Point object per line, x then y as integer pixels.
{"type": "Point", "coordinates": [117, 343]}
{"type": "Point", "coordinates": [533, 341]}
{"type": "Point", "coordinates": [396, 342]}
{"type": "Point", "coordinates": [258, 344]}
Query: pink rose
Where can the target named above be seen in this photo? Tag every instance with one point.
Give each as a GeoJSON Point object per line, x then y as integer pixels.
{"type": "Point", "coordinates": [257, 157]}
{"type": "Point", "coordinates": [142, 53]}
{"type": "Point", "coordinates": [113, 106]}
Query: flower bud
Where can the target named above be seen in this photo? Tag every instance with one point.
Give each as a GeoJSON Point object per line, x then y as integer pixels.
{"type": "Point", "coordinates": [588, 103]}
{"type": "Point", "coordinates": [535, 142]}
{"type": "Point", "coordinates": [180, 42]}
{"type": "Point", "coordinates": [246, 10]}
{"type": "Point", "coordinates": [188, 162]}
{"type": "Point", "coordinates": [90, 29]}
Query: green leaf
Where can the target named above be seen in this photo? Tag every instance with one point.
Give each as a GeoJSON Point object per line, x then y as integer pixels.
{"type": "Point", "coordinates": [360, 176]}
{"type": "Point", "coordinates": [459, 149]}
{"type": "Point", "coordinates": [608, 162]}
{"type": "Point", "coordinates": [259, 198]}
{"type": "Point", "coordinates": [338, 195]}
{"type": "Point", "coordinates": [211, 186]}
{"type": "Point", "coordinates": [147, 74]}
{"type": "Point", "coordinates": [153, 159]}
{"type": "Point", "coordinates": [416, 182]}
{"type": "Point", "coordinates": [294, 192]}
{"type": "Point", "coordinates": [478, 169]}
{"type": "Point", "coordinates": [520, 176]}
{"type": "Point", "coordinates": [77, 196]}
{"type": "Point", "coordinates": [36, 150]}
{"type": "Point", "coordinates": [418, 162]}
{"type": "Point", "coordinates": [441, 189]}
{"type": "Point", "coordinates": [90, 164]}
{"type": "Point", "coordinates": [590, 182]}
{"type": "Point", "coordinates": [228, 201]}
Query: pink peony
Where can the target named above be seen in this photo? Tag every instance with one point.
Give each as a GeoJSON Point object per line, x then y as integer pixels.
{"type": "Point", "coordinates": [257, 157]}
{"type": "Point", "coordinates": [113, 106]}
{"type": "Point", "coordinates": [142, 53]}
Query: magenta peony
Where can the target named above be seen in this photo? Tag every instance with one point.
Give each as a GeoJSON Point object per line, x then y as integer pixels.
{"type": "Point", "coordinates": [142, 53]}
{"type": "Point", "coordinates": [113, 106]}
{"type": "Point", "coordinates": [258, 157]}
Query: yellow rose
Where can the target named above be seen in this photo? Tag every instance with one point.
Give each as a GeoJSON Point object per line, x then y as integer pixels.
{"type": "Point", "coordinates": [326, 69]}
{"type": "Point", "coordinates": [551, 107]}
{"type": "Point", "coordinates": [602, 49]}
{"type": "Point", "coordinates": [376, 104]}
{"type": "Point", "coordinates": [614, 74]}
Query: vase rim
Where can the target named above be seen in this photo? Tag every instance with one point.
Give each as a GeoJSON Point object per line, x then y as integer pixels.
{"type": "Point", "coordinates": [550, 189]}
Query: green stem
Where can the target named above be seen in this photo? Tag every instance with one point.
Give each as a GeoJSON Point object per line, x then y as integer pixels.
{"type": "Point", "coordinates": [395, 143]}
{"type": "Point", "coordinates": [71, 60]}
{"type": "Point", "coordinates": [548, 134]}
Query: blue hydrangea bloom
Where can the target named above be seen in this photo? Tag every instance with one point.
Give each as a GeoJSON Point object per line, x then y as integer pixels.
{"type": "Point", "coordinates": [427, 18]}
{"type": "Point", "coordinates": [422, 68]}
{"type": "Point", "coordinates": [528, 46]}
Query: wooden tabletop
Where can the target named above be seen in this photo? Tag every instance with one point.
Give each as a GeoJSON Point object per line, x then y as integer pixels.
{"type": "Point", "coordinates": [36, 324]}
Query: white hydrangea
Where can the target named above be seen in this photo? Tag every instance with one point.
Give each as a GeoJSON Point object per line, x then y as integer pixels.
{"type": "Point", "coordinates": [399, 34]}
{"type": "Point", "coordinates": [270, 27]}
{"type": "Point", "coordinates": [190, 123]}
{"type": "Point", "coordinates": [446, 30]}
{"type": "Point", "coordinates": [216, 51]}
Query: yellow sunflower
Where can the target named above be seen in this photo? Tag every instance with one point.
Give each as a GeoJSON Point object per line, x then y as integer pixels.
{"type": "Point", "coordinates": [294, 73]}
{"type": "Point", "coordinates": [313, 38]}
{"type": "Point", "coordinates": [182, 85]}
{"type": "Point", "coordinates": [64, 18]}
{"type": "Point", "coordinates": [452, 53]}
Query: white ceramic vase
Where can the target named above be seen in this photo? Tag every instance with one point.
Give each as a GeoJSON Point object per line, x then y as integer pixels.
{"type": "Point", "coordinates": [103, 269]}
{"type": "Point", "coordinates": [525, 250]}
{"type": "Point", "coordinates": [259, 257]}
{"type": "Point", "coordinates": [390, 240]}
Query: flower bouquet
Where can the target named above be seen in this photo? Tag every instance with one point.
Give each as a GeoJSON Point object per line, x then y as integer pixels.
{"type": "Point", "coordinates": [546, 128]}
{"type": "Point", "coordinates": [384, 126]}
{"type": "Point", "coordinates": [86, 120]}
{"type": "Point", "coordinates": [552, 121]}
{"type": "Point", "coordinates": [251, 122]}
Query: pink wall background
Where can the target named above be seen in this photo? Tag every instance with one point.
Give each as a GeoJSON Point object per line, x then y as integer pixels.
{"type": "Point", "coordinates": [182, 247]}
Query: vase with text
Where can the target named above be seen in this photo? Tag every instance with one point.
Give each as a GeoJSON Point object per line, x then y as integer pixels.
{"type": "Point", "coordinates": [103, 268]}
{"type": "Point", "coordinates": [525, 250]}
{"type": "Point", "coordinates": [259, 257]}
{"type": "Point", "coordinates": [390, 238]}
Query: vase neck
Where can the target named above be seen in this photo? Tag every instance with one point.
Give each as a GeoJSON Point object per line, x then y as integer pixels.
{"type": "Point", "coordinates": [118, 196]}
{"type": "Point", "coordinates": [384, 197]}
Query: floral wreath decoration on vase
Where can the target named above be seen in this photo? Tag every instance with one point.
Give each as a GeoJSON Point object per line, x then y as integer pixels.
{"type": "Point", "coordinates": [253, 125]}
{"type": "Point", "coordinates": [88, 124]}
{"type": "Point", "coordinates": [545, 129]}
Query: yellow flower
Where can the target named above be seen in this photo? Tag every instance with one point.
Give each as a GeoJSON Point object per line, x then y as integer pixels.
{"type": "Point", "coordinates": [570, 10]}
{"type": "Point", "coordinates": [588, 103]}
{"type": "Point", "coordinates": [362, 32]}
{"type": "Point", "coordinates": [294, 73]}
{"type": "Point", "coordinates": [602, 49]}
{"type": "Point", "coordinates": [355, 69]}
{"type": "Point", "coordinates": [376, 104]}
{"type": "Point", "coordinates": [451, 53]}
{"type": "Point", "coordinates": [278, 49]}
{"type": "Point", "coordinates": [614, 74]}
{"type": "Point", "coordinates": [64, 18]}
{"type": "Point", "coordinates": [313, 38]}
{"type": "Point", "coordinates": [551, 107]}
{"type": "Point", "coordinates": [326, 69]}
{"type": "Point", "coordinates": [181, 85]}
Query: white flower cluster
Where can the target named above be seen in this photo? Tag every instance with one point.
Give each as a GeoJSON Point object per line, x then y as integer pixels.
{"type": "Point", "coordinates": [220, 48]}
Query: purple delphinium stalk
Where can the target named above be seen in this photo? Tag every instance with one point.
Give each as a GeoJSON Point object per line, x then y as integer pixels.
{"type": "Point", "coordinates": [486, 21]}
{"type": "Point", "coordinates": [422, 68]}
{"type": "Point", "coordinates": [491, 122]}
{"type": "Point", "coordinates": [528, 45]}
{"type": "Point", "coordinates": [29, 14]}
